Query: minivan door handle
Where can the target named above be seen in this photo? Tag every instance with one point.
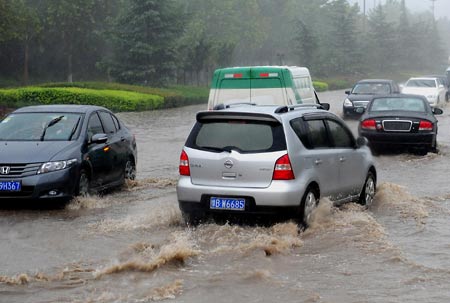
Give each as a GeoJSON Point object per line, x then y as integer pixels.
{"type": "Point", "coordinates": [318, 162]}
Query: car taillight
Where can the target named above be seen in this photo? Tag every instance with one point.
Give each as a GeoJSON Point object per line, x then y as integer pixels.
{"type": "Point", "coordinates": [283, 169]}
{"type": "Point", "coordinates": [184, 164]}
{"type": "Point", "coordinates": [425, 125]}
{"type": "Point", "coordinates": [369, 124]}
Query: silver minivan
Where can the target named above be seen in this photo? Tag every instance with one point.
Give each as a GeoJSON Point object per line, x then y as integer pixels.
{"type": "Point", "coordinates": [248, 159]}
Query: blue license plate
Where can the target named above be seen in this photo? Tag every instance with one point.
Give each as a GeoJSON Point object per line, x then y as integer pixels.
{"type": "Point", "coordinates": [227, 203]}
{"type": "Point", "coordinates": [10, 186]}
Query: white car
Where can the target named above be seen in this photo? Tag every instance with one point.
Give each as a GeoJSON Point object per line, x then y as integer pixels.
{"type": "Point", "coordinates": [430, 87]}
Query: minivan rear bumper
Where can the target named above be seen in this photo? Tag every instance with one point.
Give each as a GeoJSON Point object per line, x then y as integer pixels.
{"type": "Point", "coordinates": [278, 194]}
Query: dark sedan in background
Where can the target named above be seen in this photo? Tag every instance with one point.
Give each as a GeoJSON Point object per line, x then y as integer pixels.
{"type": "Point", "coordinates": [400, 121]}
{"type": "Point", "coordinates": [363, 91]}
{"type": "Point", "coordinates": [60, 151]}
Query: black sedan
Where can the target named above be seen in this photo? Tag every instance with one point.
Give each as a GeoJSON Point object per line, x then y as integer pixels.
{"type": "Point", "coordinates": [363, 91]}
{"type": "Point", "coordinates": [60, 151]}
{"type": "Point", "coordinates": [400, 121]}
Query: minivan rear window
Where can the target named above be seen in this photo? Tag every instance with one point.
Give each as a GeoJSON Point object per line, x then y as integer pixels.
{"type": "Point", "coordinates": [244, 136]}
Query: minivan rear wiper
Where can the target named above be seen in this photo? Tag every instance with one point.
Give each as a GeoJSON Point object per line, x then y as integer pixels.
{"type": "Point", "coordinates": [219, 149]}
{"type": "Point", "coordinates": [50, 124]}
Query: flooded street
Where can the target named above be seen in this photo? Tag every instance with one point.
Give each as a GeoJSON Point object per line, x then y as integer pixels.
{"type": "Point", "coordinates": [131, 245]}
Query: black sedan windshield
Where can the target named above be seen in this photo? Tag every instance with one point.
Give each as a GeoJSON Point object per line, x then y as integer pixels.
{"type": "Point", "coordinates": [394, 104]}
{"type": "Point", "coordinates": [371, 89]}
{"type": "Point", "coordinates": [40, 127]}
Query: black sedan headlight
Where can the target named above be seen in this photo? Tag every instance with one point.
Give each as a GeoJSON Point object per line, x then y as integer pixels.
{"type": "Point", "coordinates": [56, 165]}
{"type": "Point", "coordinates": [348, 103]}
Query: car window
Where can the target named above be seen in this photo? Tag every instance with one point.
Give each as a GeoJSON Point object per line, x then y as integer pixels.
{"type": "Point", "coordinates": [421, 83]}
{"type": "Point", "coordinates": [317, 134]}
{"type": "Point", "coordinates": [390, 104]}
{"type": "Point", "coordinates": [372, 89]}
{"type": "Point", "coordinates": [116, 122]}
{"type": "Point", "coordinates": [341, 136]}
{"type": "Point", "coordinates": [107, 122]}
{"type": "Point", "coordinates": [94, 126]}
{"type": "Point", "coordinates": [242, 135]}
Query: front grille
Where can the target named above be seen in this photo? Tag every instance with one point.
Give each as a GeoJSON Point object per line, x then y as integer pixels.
{"type": "Point", "coordinates": [19, 170]}
{"type": "Point", "coordinates": [360, 103]}
{"type": "Point", "coordinates": [397, 125]}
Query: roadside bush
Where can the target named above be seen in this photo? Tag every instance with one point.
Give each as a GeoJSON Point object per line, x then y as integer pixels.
{"type": "Point", "coordinates": [320, 86]}
{"type": "Point", "coordinates": [115, 100]}
{"type": "Point", "coordinates": [174, 96]}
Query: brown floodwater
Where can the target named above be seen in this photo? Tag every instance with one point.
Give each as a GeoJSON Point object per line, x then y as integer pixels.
{"type": "Point", "coordinates": [131, 245]}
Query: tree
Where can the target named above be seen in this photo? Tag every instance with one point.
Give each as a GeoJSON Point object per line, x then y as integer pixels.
{"type": "Point", "coordinates": [69, 25]}
{"type": "Point", "coordinates": [145, 42]}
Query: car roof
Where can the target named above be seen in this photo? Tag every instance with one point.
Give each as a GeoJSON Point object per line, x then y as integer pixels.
{"type": "Point", "coordinates": [423, 78]}
{"type": "Point", "coordinates": [375, 81]}
{"type": "Point", "coordinates": [275, 111]}
{"type": "Point", "coordinates": [400, 96]}
{"type": "Point", "coordinates": [63, 108]}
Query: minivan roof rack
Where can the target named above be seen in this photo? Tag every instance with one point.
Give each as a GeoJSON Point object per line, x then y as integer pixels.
{"type": "Point", "coordinates": [223, 106]}
{"type": "Point", "coordinates": [286, 108]}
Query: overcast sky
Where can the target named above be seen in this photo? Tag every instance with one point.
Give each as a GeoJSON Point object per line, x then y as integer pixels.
{"type": "Point", "coordinates": [442, 7]}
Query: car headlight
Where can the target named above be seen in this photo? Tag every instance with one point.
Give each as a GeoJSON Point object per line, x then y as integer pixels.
{"type": "Point", "coordinates": [56, 165]}
{"type": "Point", "coordinates": [348, 103]}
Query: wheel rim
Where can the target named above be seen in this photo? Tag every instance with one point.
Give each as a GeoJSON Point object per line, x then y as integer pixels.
{"type": "Point", "coordinates": [310, 205]}
{"type": "Point", "coordinates": [369, 191]}
{"type": "Point", "coordinates": [83, 185]}
{"type": "Point", "coordinates": [130, 171]}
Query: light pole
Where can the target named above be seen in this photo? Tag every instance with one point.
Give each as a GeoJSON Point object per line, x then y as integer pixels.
{"type": "Point", "coordinates": [432, 7]}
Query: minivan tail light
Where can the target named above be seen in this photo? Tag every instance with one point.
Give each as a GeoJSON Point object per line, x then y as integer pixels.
{"type": "Point", "coordinates": [425, 125]}
{"type": "Point", "coordinates": [283, 169]}
{"type": "Point", "coordinates": [184, 164]}
{"type": "Point", "coordinates": [369, 124]}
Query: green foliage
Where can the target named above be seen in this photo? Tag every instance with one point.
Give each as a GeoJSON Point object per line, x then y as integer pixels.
{"type": "Point", "coordinates": [320, 86]}
{"type": "Point", "coordinates": [112, 99]}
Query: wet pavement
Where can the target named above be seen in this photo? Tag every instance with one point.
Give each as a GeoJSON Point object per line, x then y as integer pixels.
{"type": "Point", "coordinates": [131, 245]}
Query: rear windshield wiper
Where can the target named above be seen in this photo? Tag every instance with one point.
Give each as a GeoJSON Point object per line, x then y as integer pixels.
{"type": "Point", "coordinates": [50, 124]}
{"type": "Point", "coordinates": [219, 149]}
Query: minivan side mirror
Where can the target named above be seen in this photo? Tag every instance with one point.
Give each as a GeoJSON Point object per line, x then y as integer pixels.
{"type": "Point", "coordinates": [325, 106]}
{"type": "Point", "coordinates": [437, 111]}
{"type": "Point", "coordinates": [347, 92]}
{"type": "Point", "coordinates": [361, 141]}
{"type": "Point", "coordinates": [99, 138]}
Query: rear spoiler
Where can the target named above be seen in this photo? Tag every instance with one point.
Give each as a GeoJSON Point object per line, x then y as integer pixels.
{"type": "Point", "coordinates": [226, 115]}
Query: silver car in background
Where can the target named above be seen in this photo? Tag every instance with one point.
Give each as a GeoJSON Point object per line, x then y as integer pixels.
{"type": "Point", "coordinates": [271, 160]}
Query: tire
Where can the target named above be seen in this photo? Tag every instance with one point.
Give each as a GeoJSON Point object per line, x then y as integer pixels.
{"type": "Point", "coordinates": [368, 191]}
{"type": "Point", "coordinates": [309, 202]}
{"type": "Point", "coordinates": [192, 218]}
{"type": "Point", "coordinates": [130, 170]}
{"type": "Point", "coordinates": [83, 186]}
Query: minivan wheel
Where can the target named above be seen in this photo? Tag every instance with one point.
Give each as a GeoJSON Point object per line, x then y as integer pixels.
{"type": "Point", "coordinates": [192, 218]}
{"type": "Point", "coordinates": [368, 191]}
{"type": "Point", "coordinates": [130, 170]}
{"type": "Point", "coordinates": [83, 184]}
{"type": "Point", "coordinates": [309, 202]}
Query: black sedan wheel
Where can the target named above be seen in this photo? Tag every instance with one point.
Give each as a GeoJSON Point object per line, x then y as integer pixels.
{"type": "Point", "coordinates": [130, 170]}
{"type": "Point", "coordinates": [83, 184]}
{"type": "Point", "coordinates": [368, 191]}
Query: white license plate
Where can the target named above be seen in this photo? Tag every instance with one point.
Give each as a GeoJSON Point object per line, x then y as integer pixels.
{"type": "Point", "coordinates": [227, 203]}
{"type": "Point", "coordinates": [10, 186]}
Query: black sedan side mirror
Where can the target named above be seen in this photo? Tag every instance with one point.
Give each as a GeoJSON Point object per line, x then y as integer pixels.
{"type": "Point", "coordinates": [437, 111]}
{"type": "Point", "coordinates": [325, 106]}
{"type": "Point", "coordinates": [361, 141]}
{"type": "Point", "coordinates": [99, 138]}
{"type": "Point", "coordinates": [347, 92]}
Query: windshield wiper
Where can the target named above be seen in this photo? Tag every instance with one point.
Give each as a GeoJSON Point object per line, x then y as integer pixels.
{"type": "Point", "coordinates": [74, 128]}
{"type": "Point", "coordinates": [221, 149]}
{"type": "Point", "coordinates": [50, 124]}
